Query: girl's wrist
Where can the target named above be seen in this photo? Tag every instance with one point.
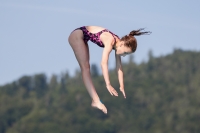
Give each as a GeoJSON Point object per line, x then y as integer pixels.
{"type": "Point", "coordinates": [122, 86]}
{"type": "Point", "coordinates": [107, 84]}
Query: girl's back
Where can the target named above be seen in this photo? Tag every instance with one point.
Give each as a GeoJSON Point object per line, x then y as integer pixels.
{"type": "Point", "coordinates": [94, 29]}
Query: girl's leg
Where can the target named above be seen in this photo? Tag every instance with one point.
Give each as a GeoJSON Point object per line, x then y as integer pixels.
{"type": "Point", "coordinates": [81, 51]}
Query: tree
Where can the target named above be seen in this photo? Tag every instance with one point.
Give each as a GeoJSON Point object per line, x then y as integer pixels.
{"type": "Point", "coordinates": [94, 70]}
{"type": "Point", "coordinates": [40, 84]}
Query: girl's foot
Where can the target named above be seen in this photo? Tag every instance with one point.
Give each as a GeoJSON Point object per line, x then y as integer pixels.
{"type": "Point", "coordinates": [100, 106]}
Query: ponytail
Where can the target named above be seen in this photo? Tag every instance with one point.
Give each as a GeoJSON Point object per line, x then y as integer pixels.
{"type": "Point", "coordinates": [130, 40]}
{"type": "Point", "coordinates": [138, 32]}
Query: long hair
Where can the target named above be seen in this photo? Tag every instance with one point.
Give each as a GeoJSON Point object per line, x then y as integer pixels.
{"type": "Point", "coordinates": [130, 40]}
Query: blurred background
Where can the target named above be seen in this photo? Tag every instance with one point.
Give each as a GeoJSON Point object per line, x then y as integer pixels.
{"type": "Point", "coordinates": [41, 89]}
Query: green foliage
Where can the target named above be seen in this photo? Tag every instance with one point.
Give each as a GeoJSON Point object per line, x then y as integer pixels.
{"type": "Point", "coordinates": [94, 70]}
{"type": "Point", "coordinates": [162, 97]}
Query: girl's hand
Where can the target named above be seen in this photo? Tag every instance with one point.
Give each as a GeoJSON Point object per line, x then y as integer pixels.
{"type": "Point", "coordinates": [123, 92]}
{"type": "Point", "coordinates": [112, 90]}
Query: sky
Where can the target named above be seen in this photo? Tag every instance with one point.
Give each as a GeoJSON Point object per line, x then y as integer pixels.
{"type": "Point", "coordinates": [34, 34]}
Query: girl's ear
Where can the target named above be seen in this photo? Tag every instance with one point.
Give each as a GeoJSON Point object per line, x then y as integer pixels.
{"type": "Point", "coordinates": [121, 44]}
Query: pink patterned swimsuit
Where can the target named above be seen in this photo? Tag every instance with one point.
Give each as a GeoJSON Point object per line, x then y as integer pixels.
{"type": "Point", "coordinates": [94, 37]}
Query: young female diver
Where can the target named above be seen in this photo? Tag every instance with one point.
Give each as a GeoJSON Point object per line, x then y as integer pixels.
{"type": "Point", "coordinates": [103, 38]}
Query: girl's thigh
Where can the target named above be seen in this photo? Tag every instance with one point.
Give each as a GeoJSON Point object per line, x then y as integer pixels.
{"type": "Point", "coordinates": [80, 48]}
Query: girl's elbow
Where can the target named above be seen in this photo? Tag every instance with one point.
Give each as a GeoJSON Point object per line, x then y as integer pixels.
{"type": "Point", "coordinates": [103, 65]}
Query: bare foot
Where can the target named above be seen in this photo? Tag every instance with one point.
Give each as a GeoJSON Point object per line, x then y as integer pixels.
{"type": "Point", "coordinates": [100, 106]}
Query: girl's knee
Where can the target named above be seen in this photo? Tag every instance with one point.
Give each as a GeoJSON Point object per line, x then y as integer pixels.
{"type": "Point", "coordinates": [85, 67]}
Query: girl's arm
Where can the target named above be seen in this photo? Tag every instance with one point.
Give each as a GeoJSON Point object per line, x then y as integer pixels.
{"type": "Point", "coordinates": [104, 65]}
{"type": "Point", "coordinates": [120, 74]}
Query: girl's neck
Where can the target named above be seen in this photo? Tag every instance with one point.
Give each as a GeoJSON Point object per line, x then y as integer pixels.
{"type": "Point", "coordinates": [116, 44]}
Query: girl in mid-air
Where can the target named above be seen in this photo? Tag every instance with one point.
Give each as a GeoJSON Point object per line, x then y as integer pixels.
{"type": "Point", "coordinates": [78, 40]}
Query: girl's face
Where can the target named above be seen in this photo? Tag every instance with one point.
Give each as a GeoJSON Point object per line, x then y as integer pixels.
{"type": "Point", "coordinates": [122, 50]}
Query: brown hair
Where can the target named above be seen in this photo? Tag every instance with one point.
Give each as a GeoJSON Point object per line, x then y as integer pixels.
{"type": "Point", "coordinates": [130, 40]}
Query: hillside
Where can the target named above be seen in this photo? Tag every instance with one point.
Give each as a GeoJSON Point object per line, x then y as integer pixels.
{"type": "Point", "coordinates": [162, 97]}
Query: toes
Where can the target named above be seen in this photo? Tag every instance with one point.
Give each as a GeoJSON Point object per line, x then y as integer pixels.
{"type": "Point", "coordinates": [104, 109]}
{"type": "Point", "coordinates": [100, 106]}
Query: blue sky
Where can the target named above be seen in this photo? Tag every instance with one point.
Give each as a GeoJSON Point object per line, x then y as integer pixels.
{"type": "Point", "coordinates": [34, 34]}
